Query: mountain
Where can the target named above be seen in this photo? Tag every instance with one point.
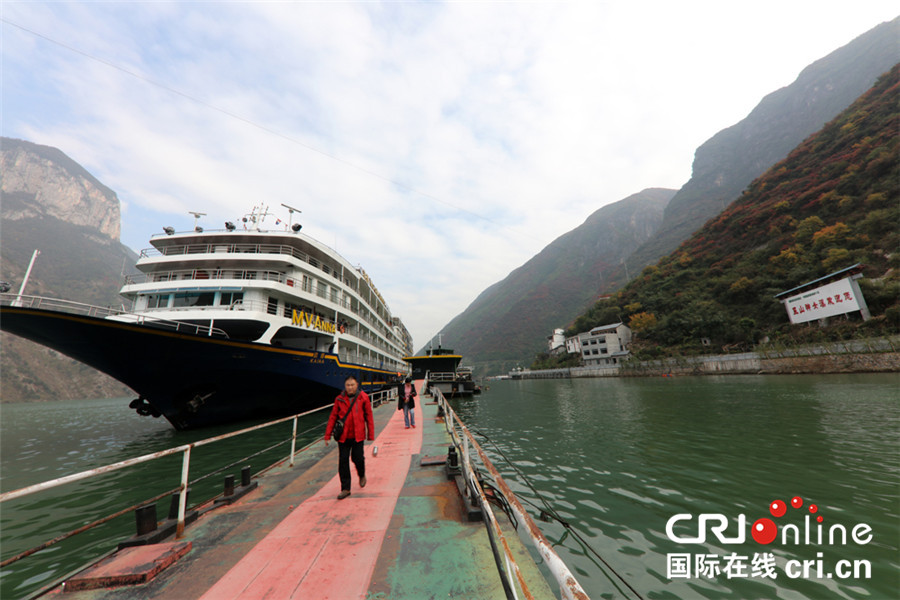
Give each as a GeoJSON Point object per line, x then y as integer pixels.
{"type": "Point", "coordinates": [832, 203]}
{"type": "Point", "coordinates": [510, 320]}
{"type": "Point", "coordinates": [723, 167]}
{"type": "Point", "coordinates": [726, 163]}
{"type": "Point", "coordinates": [52, 204]}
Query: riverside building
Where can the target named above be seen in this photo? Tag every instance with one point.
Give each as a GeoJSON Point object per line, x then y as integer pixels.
{"type": "Point", "coordinates": [601, 346]}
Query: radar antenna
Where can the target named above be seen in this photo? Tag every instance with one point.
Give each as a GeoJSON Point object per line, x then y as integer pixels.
{"type": "Point", "coordinates": [291, 211]}
{"type": "Point", "coordinates": [197, 216]}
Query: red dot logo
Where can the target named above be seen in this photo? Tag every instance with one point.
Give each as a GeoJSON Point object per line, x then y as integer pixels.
{"type": "Point", "coordinates": [796, 501]}
{"type": "Point", "coordinates": [777, 508]}
{"type": "Point", "coordinates": [819, 519]}
{"type": "Point", "coordinates": [813, 508]}
{"type": "Point", "coordinates": [764, 531]}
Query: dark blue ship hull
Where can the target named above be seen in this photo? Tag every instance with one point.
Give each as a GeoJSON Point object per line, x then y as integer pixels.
{"type": "Point", "coordinates": [193, 380]}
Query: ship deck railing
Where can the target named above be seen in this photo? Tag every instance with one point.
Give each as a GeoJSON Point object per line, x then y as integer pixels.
{"type": "Point", "coordinates": [239, 275]}
{"type": "Point", "coordinates": [104, 312]}
{"type": "Point", "coordinates": [226, 248]}
{"type": "Point", "coordinates": [462, 438]}
{"type": "Point", "coordinates": [243, 275]}
{"type": "Point", "coordinates": [267, 308]}
{"type": "Point", "coordinates": [376, 398]}
{"type": "Point", "coordinates": [441, 377]}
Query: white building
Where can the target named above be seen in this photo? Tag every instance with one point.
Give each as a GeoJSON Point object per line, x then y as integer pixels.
{"type": "Point", "coordinates": [556, 341]}
{"type": "Point", "coordinates": [604, 345]}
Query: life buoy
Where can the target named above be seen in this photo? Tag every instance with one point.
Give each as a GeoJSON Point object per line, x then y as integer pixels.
{"type": "Point", "coordinates": [290, 282]}
{"type": "Point", "coordinates": [342, 328]}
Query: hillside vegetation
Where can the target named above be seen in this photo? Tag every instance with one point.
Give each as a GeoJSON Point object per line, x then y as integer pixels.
{"type": "Point", "coordinates": [831, 203]}
{"type": "Point", "coordinates": [728, 162]}
{"type": "Point", "coordinates": [510, 320]}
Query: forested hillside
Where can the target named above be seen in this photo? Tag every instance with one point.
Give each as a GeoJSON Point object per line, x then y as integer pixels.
{"type": "Point", "coordinates": [832, 202]}
{"type": "Point", "coordinates": [729, 161]}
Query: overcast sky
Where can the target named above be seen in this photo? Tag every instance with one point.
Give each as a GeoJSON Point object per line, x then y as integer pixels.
{"type": "Point", "coordinates": [438, 145]}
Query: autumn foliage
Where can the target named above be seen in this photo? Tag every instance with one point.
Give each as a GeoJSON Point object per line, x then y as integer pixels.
{"type": "Point", "coordinates": [831, 203]}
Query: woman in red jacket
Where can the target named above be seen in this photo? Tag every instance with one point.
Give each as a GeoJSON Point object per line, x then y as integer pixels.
{"type": "Point", "coordinates": [359, 425]}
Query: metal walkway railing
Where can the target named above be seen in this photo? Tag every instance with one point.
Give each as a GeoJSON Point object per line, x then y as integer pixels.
{"type": "Point", "coordinates": [376, 398]}
{"type": "Point", "coordinates": [462, 438]}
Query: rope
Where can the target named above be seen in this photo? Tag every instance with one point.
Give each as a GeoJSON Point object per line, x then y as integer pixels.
{"type": "Point", "coordinates": [551, 512]}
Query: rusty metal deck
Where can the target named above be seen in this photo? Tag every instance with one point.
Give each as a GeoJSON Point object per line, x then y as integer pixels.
{"type": "Point", "coordinates": [405, 536]}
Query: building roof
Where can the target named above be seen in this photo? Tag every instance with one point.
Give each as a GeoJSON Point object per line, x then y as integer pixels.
{"type": "Point", "coordinates": [821, 280]}
{"type": "Point", "coordinates": [603, 327]}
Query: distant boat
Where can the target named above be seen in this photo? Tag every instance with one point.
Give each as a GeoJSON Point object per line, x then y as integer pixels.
{"type": "Point", "coordinates": [441, 366]}
{"type": "Point", "coordinates": [229, 325]}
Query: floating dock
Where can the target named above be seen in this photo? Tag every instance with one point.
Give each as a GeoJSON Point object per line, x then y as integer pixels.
{"type": "Point", "coordinates": [409, 534]}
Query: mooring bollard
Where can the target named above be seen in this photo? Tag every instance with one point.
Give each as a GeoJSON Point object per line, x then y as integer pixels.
{"type": "Point", "coordinates": [145, 517]}
{"type": "Point", "coordinates": [229, 485]}
{"type": "Point", "coordinates": [173, 505]}
{"type": "Point", "coordinates": [245, 476]}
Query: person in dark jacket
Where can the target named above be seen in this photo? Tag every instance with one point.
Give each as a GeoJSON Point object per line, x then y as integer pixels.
{"type": "Point", "coordinates": [358, 426]}
{"type": "Point", "coordinates": [406, 393]}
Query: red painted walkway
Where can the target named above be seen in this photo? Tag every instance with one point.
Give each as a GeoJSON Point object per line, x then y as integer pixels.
{"type": "Point", "coordinates": [327, 548]}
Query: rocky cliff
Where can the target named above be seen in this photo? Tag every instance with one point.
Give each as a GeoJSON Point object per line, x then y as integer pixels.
{"type": "Point", "coordinates": [40, 181]}
{"type": "Point", "coordinates": [52, 204]}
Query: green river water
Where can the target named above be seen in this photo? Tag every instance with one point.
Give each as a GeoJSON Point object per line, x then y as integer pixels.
{"type": "Point", "coordinates": [617, 458]}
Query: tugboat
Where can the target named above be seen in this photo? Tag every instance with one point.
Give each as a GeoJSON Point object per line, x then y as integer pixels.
{"type": "Point", "coordinates": [441, 367]}
{"type": "Point", "coordinates": [245, 322]}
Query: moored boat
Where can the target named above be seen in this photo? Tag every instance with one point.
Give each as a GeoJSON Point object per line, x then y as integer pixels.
{"type": "Point", "coordinates": [440, 366]}
{"type": "Point", "coordinates": [229, 325]}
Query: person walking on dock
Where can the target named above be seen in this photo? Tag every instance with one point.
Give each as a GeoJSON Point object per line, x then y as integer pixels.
{"type": "Point", "coordinates": [406, 402]}
{"type": "Point", "coordinates": [352, 423]}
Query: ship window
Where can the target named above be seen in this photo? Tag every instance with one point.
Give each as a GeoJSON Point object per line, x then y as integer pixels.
{"type": "Point", "coordinates": [289, 309]}
{"type": "Point", "coordinates": [157, 300]}
{"type": "Point", "coordinates": [229, 298]}
{"type": "Point", "coordinates": [272, 308]}
{"type": "Point", "coordinates": [194, 299]}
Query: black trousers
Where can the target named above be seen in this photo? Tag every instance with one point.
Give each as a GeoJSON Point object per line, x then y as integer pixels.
{"type": "Point", "coordinates": [350, 449]}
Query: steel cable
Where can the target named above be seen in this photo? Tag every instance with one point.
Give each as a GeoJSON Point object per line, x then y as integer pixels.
{"type": "Point", "coordinates": [551, 512]}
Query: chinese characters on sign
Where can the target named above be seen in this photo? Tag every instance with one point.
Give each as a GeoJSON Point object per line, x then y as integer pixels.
{"type": "Point", "coordinates": [710, 566]}
{"type": "Point", "coordinates": [827, 301]}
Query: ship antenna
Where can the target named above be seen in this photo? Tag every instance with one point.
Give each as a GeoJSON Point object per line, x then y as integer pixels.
{"type": "Point", "coordinates": [197, 216]}
{"type": "Point", "coordinates": [291, 211]}
{"type": "Point", "coordinates": [263, 213]}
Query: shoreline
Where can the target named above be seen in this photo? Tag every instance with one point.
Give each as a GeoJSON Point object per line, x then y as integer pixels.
{"type": "Point", "coordinates": [834, 358]}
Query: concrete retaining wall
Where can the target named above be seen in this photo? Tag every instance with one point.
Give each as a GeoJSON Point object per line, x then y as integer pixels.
{"type": "Point", "coordinates": [746, 363]}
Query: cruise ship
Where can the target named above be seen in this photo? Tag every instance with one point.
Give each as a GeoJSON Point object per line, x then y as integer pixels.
{"type": "Point", "coordinates": [241, 323]}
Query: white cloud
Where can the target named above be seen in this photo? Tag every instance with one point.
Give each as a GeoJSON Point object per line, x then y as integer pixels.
{"type": "Point", "coordinates": [466, 136]}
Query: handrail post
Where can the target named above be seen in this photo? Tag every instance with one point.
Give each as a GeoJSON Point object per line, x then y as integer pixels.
{"type": "Point", "coordinates": [293, 441]}
{"type": "Point", "coordinates": [466, 450]}
{"type": "Point", "coordinates": [182, 497]}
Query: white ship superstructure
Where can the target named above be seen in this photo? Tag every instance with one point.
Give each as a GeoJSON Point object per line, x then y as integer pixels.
{"type": "Point", "coordinates": [277, 287]}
